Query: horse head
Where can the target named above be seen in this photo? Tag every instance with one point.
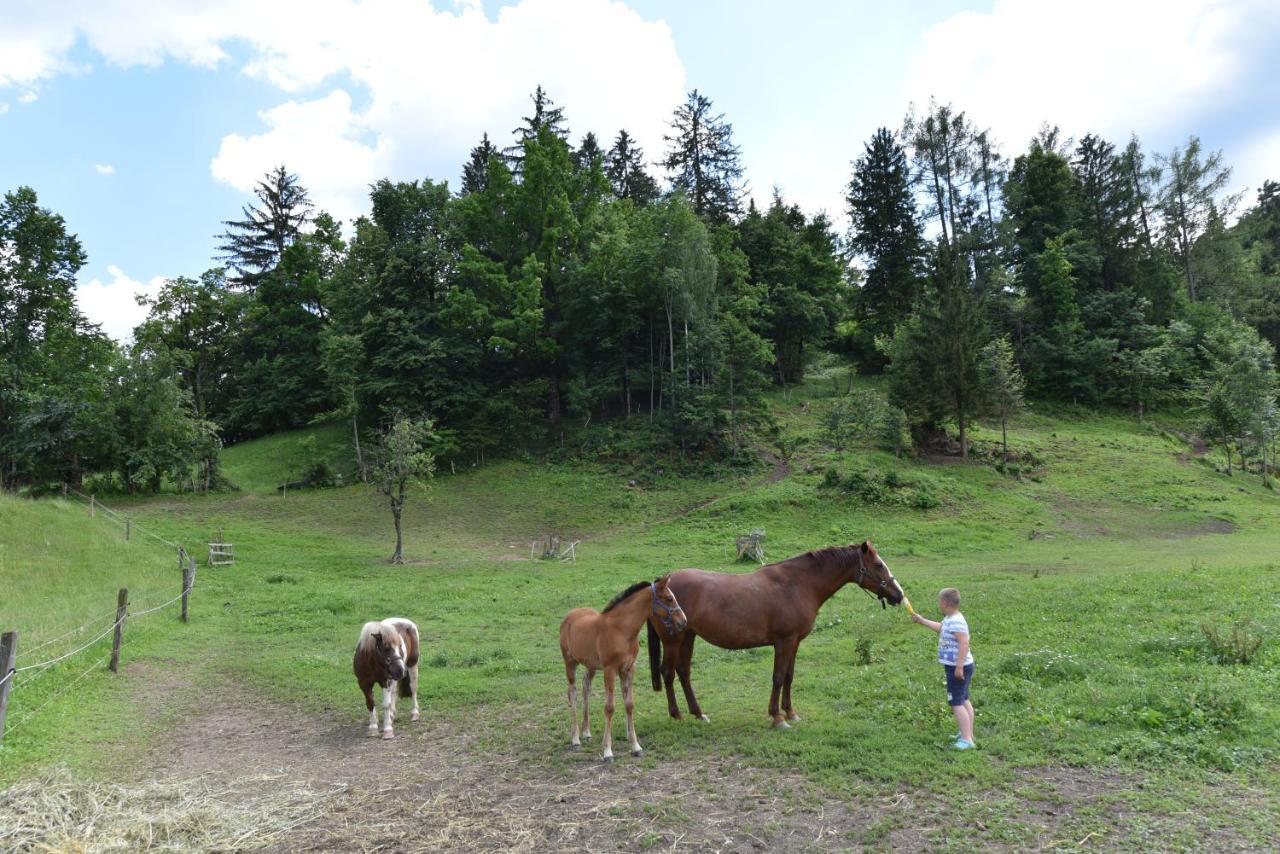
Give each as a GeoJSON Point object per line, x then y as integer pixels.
{"type": "Point", "coordinates": [391, 652]}
{"type": "Point", "coordinates": [665, 608]}
{"type": "Point", "coordinates": [873, 574]}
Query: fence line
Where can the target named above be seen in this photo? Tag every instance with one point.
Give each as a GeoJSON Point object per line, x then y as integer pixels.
{"type": "Point", "coordinates": [66, 635]}
{"type": "Point", "coordinates": [31, 714]}
{"type": "Point", "coordinates": [9, 640]}
{"type": "Point", "coordinates": [95, 504]}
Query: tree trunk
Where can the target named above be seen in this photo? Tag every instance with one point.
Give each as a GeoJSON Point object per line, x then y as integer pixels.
{"type": "Point", "coordinates": [397, 508]}
{"type": "Point", "coordinates": [1004, 434]}
{"type": "Point", "coordinates": [964, 436]}
{"type": "Point", "coordinates": [355, 432]}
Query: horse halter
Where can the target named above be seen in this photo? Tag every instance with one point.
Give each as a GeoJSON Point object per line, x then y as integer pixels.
{"type": "Point", "coordinates": [665, 617]}
{"type": "Point", "coordinates": [881, 586]}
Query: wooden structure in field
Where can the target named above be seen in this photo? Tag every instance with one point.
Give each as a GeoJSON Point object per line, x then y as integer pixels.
{"type": "Point", "coordinates": [220, 553]}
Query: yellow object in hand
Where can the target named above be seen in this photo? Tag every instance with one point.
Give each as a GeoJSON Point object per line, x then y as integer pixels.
{"type": "Point", "coordinates": [907, 602]}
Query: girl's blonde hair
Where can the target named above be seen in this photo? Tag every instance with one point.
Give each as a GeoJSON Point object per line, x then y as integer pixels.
{"type": "Point", "coordinates": [950, 595]}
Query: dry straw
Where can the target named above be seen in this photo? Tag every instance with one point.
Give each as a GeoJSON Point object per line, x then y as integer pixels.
{"type": "Point", "coordinates": [60, 813]}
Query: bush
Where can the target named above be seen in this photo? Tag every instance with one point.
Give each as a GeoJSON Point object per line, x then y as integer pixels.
{"type": "Point", "coordinates": [892, 488]}
{"type": "Point", "coordinates": [1237, 646]}
{"type": "Point", "coordinates": [317, 470]}
{"type": "Point", "coordinates": [862, 651]}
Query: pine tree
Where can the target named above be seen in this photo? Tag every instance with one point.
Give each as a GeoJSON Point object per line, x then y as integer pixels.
{"type": "Point", "coordinates": [703, 161]}
{"type": "Point", "coordinates": [886, 232]}
{"type": "Point", "coordinates": [475, 174]}
{"type": "Point", "coordinates": [624, 166]}
{"type": "Point", "coordinates": [1108, 216]}
{"type": "Point", "coordinates": [254, 245]}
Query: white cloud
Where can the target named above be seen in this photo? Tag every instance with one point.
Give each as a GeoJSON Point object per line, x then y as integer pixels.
{"type": "Point", "coordinates": [113, 304]}
{"type": "Point", "coordinates": [429, 80]}
{"type": "Point", "coordinates": [104, 169]}
{"type": "Point", "coordinates": [1258, 161]}
{"type": "Point", "coordinates": [28, 97]}
{"type": "Point", "coordinates": [4, 108]}
{"type": "Point", "coordinates": [1098, 65]}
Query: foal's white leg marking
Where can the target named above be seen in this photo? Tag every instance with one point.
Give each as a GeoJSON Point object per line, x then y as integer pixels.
{"type": "Point", "coordinates": [586, 699]}
{"type": "Point", "coordinates": [373, 721]}
{"type": "Point", "coordinates": [608, 716]}
{"type": "Point", "coordinates": [389, 709]}
{"type": "Point", "coordinates": [413, 687]}
{"type": "Point", "coordinates": [629, 698]}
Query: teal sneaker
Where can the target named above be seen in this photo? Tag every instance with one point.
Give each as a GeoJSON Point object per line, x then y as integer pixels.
{"type": "Point", "coordinates": [961, 744]}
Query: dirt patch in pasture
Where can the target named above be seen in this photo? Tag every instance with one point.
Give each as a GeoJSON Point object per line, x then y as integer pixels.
{"type": "Point", "coordinates": [442, 785]}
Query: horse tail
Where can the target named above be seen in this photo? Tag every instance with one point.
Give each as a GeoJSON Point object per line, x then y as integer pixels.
{"type": "Point", "coordinates": [655, 656]}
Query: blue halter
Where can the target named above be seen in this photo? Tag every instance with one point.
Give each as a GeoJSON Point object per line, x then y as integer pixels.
{"type": "Point", "coordinates": [665, 617]}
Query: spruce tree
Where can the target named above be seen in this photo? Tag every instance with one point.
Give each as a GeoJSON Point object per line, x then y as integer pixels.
{"type": "Point", "coordinates": [588, 153]}
{"type": "Point", "coordinates": [703, 161]}
{"type": "Point", "coordinates": [1193, 184]}
{"type": "Point", "coordinates": [545, 115]}
{"type": "Point", "coordinates": [886, 232]}
{"type": "Point", "coordinates": [253, 246]}
{"type": "Point", "coordinates": [624, 166]}
{"type": "Point", "coordinates": [475, 173]}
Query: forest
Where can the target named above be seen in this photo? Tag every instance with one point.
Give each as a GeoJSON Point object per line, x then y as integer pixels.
{"type": "Point", "coordinates": [566, 284]}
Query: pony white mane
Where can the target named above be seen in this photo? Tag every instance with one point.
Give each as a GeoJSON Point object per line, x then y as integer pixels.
{"type": "Point", "coordinates": [388, 628]}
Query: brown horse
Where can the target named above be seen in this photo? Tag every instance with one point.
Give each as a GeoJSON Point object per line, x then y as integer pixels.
{"type": "Point", "coordinates": [387, 655]}
{"type": "Point", "coordinates": [609, 641]}
{"type": "Point", "coordinates": [774, 606]}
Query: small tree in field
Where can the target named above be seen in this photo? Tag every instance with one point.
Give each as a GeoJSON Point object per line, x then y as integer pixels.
{"type": "Point", "coordinates": [403, 459]}
{"type": "Point", "coordinates": [1002, 384]}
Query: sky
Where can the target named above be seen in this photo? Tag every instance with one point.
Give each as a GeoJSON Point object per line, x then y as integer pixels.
{"type": "Point", "coordinates": [146, 124]}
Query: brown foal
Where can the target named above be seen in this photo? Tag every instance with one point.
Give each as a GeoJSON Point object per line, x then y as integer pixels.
{"type": "Point", "coordinates": [609, 640]}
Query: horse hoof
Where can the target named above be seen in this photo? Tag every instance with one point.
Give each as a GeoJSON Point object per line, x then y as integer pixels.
{"type": "Point", "coordinates": [388, 735]}
{"type": "Point", "coordinates": [372, 733]}
{"type": "Point", "coordinates": [781, 725]}
{"type": "Point", "coordinates": [575, 746]}
{"type": "Point", "coordinates": [637, 753]}
{"type": "Point", "coordinates": [608, 760]}
{"type": "Point", "coordinates": [415, 716]}
{"type": "Point", "coordinates": [793, 718]}
{"type": "Point", "coordinates": [586, 736]}
{"type": "Point", "coordinates": [706, 719]}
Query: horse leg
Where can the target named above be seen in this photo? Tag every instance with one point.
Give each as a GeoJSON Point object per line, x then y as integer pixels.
{"type": "Point", "coordinates": [413, 692]}
{"type": "Point", "coordinates": [586, 699]}
{"type": "Point", "coordinates": [629, 701]}
{"type": "Point", "coordinates": [571, 673]}
{"type": "Point", "coordinates": [389, 694]}
{"type": "Point", "coordinates": [609, 674]}
{"type": "Point", "coordinates": [367, 688]}
{"type": "Point", "coordinates": [792, 714]}
{"type": "Point", "coordinates": [784, 652]}
{"type": "Point", "coordinates": [670, 654]}
{"type": "Point", "coordinates": [683, 667]}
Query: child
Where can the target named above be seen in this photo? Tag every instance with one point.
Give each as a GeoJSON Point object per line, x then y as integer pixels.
{"type": "Point", "coordinates": [956, 660]}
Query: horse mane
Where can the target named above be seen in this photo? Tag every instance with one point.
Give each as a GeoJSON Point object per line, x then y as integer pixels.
{"type": "Point", "coordinates": [840, 553]}
{"type": "Point", "coordinates": [617, 600]}
{"type": "Point", "coordinates": [366, 634]}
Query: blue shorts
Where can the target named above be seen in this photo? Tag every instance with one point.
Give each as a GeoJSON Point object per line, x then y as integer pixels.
{"type": "Point", "coordinates": [958, 689]}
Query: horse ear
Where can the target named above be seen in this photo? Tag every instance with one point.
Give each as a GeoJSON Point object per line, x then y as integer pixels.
{"type": "Point", "coordinates": [377, 639]}
{"type": "Point", "coordinates": [662, 580]}
{"type": "Point", "coordinates": [866, 546]}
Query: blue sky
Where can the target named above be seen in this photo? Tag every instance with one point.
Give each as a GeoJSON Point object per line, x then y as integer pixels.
{"type": "Point", "coordinates": [145, 124]}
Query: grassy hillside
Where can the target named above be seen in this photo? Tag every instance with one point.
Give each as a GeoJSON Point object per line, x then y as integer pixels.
{"type": "Point", "coordinates": [1086, 583]}
{"type": "Point", "coordinates": [261, 465]}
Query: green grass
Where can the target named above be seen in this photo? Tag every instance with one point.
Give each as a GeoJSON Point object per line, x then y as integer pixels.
{"type": "Point", "coordinates": [1085, 586]}
{"type": "Point", "coordinates": [262, 465]}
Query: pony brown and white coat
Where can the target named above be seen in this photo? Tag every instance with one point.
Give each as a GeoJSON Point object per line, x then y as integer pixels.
{"type": "Point", "coordinates": [387, 655]}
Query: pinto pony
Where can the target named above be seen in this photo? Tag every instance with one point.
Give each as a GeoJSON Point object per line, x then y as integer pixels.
{"type": "Point", "coordinates": [609, 640]}
{"type": "Point", "coordinates": [774, 606]}
{"type": "Point", "coordinates": [387, 655]}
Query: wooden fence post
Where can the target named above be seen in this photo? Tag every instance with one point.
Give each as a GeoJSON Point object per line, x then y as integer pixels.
{"type": "Point", "coordinates": [8, 653]}
{"type": "Point", "coordinates": [122, 610]}
{"type": "Point", "coordinates": [93, 505]}
{"type": "Point", "coordinates": [64, 490]}
{"type": "Point", "coordinates": [128, 525]}
{"type": "Point", "coordinates": [188, 580]}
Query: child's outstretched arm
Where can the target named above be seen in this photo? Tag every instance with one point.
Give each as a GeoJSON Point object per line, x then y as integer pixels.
{"type": "Point", "coordinates": [929, 624]}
